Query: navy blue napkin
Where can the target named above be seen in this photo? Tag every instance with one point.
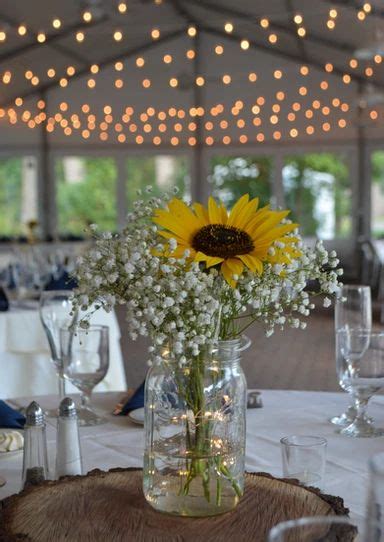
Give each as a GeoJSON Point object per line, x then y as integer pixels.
{"type": "Point", "coordinates": [65, 282]}
{"type": "Point", "coordinates": [136, 401]}
{"type": "Point", "coordinates": [10, 418]}
{"type": "Point", "coordinates": [4, 304]}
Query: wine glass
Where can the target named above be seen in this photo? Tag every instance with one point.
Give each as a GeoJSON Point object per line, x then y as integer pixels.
{"type": "Point", "coordinates": [56, 311]}
{"type": "Point", "coordinates": [353, 309]}
{"type": "Point", "coordinates": [319, 528]}
{"type": "Point", "coordinates": [85, 354]}
{"type": "Point", "coordinates": [363, 352]}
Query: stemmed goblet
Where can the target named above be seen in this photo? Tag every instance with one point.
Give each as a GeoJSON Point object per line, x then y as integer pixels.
{"type": "Point", "coordinates": [363, 352]}
{"type": "Point", "coordinates": [353, 309]}
{"type": "Point", "coordinates": [56, 311]}
{"type": "Point", "coordinates": [85, 354]}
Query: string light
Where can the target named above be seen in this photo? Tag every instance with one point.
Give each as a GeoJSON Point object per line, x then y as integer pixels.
{"type": "Point", "coordinates": [244, 44]}
{"type": "Point", "coordinates": [117, 35]}
{"type": "Point", "coordinates": [192, 31]}
{"type": "Point", "coordinates": [22, 30]}
{"type": "Point", "coordinates": [140, 62]}
{"type": "Point", "coordinates": [80, 36]}
{"type": "Point", "coordinates": [87, 16]}
{"type": "Point", "coordinates": [167, 59]}
{"type": "Point", "coordinates": [56, 23]}
{"type": "Point", "coordinates": [219, 49]}
{"type": "Point", "coordinates": [228, 27]}
{"type": "Point", "coordinates": [264, 23]}
{"type": "Point", "coordinates": [122, 7]}
{"type": "Point", "coordinates": [41, 37]}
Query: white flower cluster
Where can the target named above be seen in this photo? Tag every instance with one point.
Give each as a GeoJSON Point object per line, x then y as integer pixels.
{"type": "Point", "coordinates": [175, 301]}
{"type": "Point", "coordinates": [283, 294]}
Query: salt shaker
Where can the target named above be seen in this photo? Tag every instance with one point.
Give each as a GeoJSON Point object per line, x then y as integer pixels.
{"type": "Point", "coordinates": [68, 454]}
{"type": "Point", "coordinates": [35, 459]}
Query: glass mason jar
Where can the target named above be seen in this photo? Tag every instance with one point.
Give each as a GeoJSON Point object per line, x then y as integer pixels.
{"type": "Point", "coordinates": [195, 432]}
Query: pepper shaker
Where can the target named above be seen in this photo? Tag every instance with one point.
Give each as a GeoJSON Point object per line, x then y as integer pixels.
{"type": "Point", "coordinates": [68, 454]}
{"type": "Point", "coordinates": [35, 459]}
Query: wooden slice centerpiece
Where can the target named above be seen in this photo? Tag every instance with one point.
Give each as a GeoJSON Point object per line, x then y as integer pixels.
{"type": "Point", "coordinates": [110, 507]}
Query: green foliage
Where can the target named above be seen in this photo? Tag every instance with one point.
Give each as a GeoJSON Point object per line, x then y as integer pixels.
{"type": "Point", "coordinates": [378, 168]}
{"type": "Point", "coordinates": [10, 196]}
{"type": "Point", "coordinates": [89, 200]}
{"type": "Point", "coordinates": [302, 186]}
{"type": "Point", "coordinates": [234, 176]}
{"type": "Point", "coordinates": [141, 172]}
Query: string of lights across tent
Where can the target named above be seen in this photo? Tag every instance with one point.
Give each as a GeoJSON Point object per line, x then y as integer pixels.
{"type": "Point", "coordinates": [223, 122]}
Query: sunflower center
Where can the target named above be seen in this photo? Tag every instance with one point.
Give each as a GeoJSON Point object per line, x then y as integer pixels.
{"type": "Point", "coordinates": [222, 241]}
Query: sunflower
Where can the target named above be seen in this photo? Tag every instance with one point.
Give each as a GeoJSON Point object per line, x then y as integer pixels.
{"type": "Point", "coordinates": [230, 241]}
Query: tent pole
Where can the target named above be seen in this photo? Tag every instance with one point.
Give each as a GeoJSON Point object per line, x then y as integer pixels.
{"type": "Point", "coordinates": [364, 180]}
{"type": "Point", "coordinates": [199, 173]}
{"type": "Point", "coordinates": [46, 182]}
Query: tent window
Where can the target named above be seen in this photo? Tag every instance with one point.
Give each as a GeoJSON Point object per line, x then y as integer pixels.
{"type": "Point", "coordinates": [86, 194]}
{"type": "Point", "coordinates": [377, 216]}
{"type": "Point", "coordinates": [18, 195]}
{"type": "Point", "coordinates": [233, 176]}
{"type": "Point", "coordinates": [317, 189]}
{"type": "Point", "coordinates": [162, 172]}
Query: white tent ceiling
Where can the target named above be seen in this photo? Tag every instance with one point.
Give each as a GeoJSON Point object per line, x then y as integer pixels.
{"type": "Point", "coordinates": [293, 98]}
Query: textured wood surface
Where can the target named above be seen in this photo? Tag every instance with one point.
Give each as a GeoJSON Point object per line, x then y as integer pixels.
{"type": "Point", "coordinates": [110, 506]}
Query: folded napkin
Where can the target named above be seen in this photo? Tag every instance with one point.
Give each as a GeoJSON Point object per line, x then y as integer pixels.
{"type": "Point", "coordinates": [4, 304]}
{"type": "Point", "coordinates": [65, 282]}
{"type": "Point", "coordinates": [135, 401]}
{"type": "Point", "coordinates": [10, 418]}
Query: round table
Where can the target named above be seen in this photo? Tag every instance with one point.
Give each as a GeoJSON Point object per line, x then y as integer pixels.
{"type": "Point", "coordinates": [119, 443]}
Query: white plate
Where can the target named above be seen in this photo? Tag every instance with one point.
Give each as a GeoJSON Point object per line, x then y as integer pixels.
{"type": "Point", "coordinates": [137, 416]}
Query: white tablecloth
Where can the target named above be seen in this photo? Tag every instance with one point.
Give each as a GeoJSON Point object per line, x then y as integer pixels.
{"type": "Point", "coordinates": [25, 366]}
{"type": "Point", "coordinates": [119, 443]}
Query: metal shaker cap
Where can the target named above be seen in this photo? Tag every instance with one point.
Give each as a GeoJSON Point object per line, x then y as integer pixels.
{"type": "Point", "coordinates": [67, 408]}
{"type": "Point", "coordinates": [34, 414]}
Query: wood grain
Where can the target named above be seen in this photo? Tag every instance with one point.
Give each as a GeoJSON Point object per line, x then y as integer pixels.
{"type": "Point", "coordinates": [110, 506]}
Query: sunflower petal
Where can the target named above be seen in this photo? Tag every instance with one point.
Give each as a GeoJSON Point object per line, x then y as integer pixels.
{"type": "Point", "coordinates": [210, 260]}
{"type": "Point", "coordinates": [224, 214]}
{"type": "Point", "coordinates": [183, 213]}
{"type": "Point", "coordinates": [235, 265]}
{"type": "Point", "coordinates": [214, 212]}
{"type": "Point", "coordinates": [227, 273]}
{"type": "Point", "coordinates": [271, 221]}
{"type": "Point", "coordinates": [170, 223]}
{"type": "Point", "coordinates": [252, 262]}
{"type": "Point", "coordinates": [236, 210]}
{"type": "Point", "coordinates": [276, 233]}
{"type": "Point", "coordinates": [246, 214]}
{"type": "Point", "coordinates": [201, 212]}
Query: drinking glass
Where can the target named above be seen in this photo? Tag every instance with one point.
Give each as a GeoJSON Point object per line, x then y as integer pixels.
{"type": "Point", "coordinates": [363, 353]}
{"type": "Point", "coordinates": [304, 458]}
{"type": "Point", "coordinates": [85, 354]}
{"type": "Point", "coordinates": [353, 309]}
{"type": "Point", "coordinates": [56, 311]}
{"type": "Point", "coordinates": [320, 528]}
{"type": "Point", "coordinates": [375, 501]}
